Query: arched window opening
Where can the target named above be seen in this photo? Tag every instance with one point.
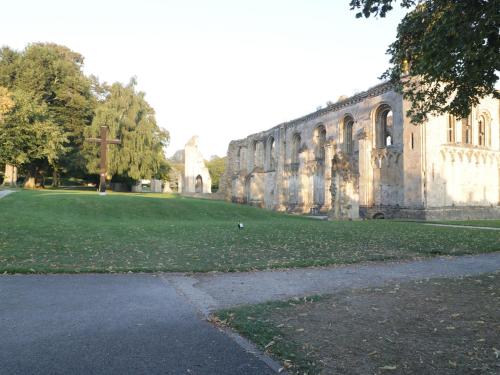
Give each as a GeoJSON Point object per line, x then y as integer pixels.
{"type": "Point", "coordinates": [451, 129]}
{"type": "Point", "coordinates": [295, 148]}
{"type": "Point", "coordinates": [319, 142]}
{"type": "Point", "coordinates": [484, 131]}
{"type": "Point", "coordinates": [254, 154]}
{"type": "Point", "coordinates": [271, 153]}
{"type": "Point", "coordinates": [238, 159]}
{"type": "Point", "coordinates": [347, 136]}
{"type": "Point", "coordinates": [384, 127]}
{"type": "Point", "coordinates": [481, 132]}
{"type": "Point", "coordinates": [466, 131]}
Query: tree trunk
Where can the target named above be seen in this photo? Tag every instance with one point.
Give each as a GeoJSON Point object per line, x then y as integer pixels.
{"type": "Point", "coordinates": [30, 179]}
{"type": "Point", "coordinates": [29, 182]}
{"type": "Point", "coordinates": [10, 176]}
{"type": "Point", "coordinates": [55, 179]}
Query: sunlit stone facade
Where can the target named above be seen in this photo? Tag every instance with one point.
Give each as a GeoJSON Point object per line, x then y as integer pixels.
{"type": "Point", "coordinates": [362, 158]}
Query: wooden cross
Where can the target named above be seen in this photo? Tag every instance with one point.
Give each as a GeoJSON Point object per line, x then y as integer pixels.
{"type": "Point", "coordinates": [104, 141]}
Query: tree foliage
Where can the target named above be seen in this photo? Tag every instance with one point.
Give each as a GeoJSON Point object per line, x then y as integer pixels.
{"type": "Point", "coordinates": [448, 50]}
{"type": "Point", "coordinates": [216, 167]}
{"type": "Point", "coordinates": [6, 102]}
{"type": "Point", "coordinates": [48, 106]}
{"type": "Point", "coordinates": [53, 102]}
{"type": "Point", "coordinates": [131, 119]}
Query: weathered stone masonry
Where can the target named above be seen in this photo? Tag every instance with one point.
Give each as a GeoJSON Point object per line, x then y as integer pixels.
{"type": "Point", "coordinates": [361, 157]}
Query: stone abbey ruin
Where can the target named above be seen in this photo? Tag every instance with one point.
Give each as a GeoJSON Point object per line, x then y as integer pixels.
{"type": "Point", "coordinates": [362, 158]}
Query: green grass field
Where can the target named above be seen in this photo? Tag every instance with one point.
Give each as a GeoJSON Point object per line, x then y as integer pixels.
{"type": "Point", "coordinates": [78, 231]}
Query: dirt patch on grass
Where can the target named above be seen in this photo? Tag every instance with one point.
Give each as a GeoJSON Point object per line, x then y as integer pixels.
{"type": "Point", "coordinates": [445, 326]}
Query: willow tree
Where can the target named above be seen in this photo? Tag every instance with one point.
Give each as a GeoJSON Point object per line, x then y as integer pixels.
{"type": "Point", "coordinates": [449, 49]}
{"type": "Point", "coordinates": [129, 117]}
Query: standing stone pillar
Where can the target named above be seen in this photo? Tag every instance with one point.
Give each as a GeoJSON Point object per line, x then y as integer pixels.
{"type": "Point", "coordinates": [302, 183]}
{"type": "Point", "coordinates": [279, 186]}
{"type": "Point", "coordinates": [328, 176]}
{"type": "Point", "coordinates": [336, 187]}
{"type": "Point", "coordinates": [365, 171]}
{"type": "Point", "coordinates": [345, 197]}
{"type": "Point", "coordinates": [10, 176]}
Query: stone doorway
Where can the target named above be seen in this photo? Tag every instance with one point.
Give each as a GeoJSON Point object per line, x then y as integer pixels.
{"type": "Point", "coordinates": [198, 187]}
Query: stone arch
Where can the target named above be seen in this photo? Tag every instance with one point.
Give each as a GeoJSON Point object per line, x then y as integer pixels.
{"type": "Point", "coordinates": [295, 149]}
{"type": "Point", "coordinates": [384, 127]}
{"type": "Point", "coordinates": [271, 153]}
{"type": "Point", "coordinates": [253, 153]}
{"type": "Point", "coordinates": [198, 186]}
{"type": "Point", "coordinates": [347, 138]}
{"type": "Point", "coordinates": [484, 129]}
{"type": "Point", "coordinates": [238, 159]}
{"type": "Point", "coordinates": [467, 130]}
{"type": "Point", "coordinates": [319, 142]}
{"type": "Point", "coordinates": [450, 133]}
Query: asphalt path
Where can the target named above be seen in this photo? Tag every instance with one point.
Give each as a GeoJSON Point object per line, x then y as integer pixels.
{"type": "Point", "coordinates": [110, 324]}
{"type": "Point", "coordinates": [155, 323]}
{"type": "Point", "coordinates": [212, 291]}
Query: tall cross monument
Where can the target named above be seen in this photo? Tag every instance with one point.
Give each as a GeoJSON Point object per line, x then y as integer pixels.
{"type": "Point", "coordinates": [104, 141]}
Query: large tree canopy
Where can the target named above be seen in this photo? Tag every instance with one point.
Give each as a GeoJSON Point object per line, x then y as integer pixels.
{"type": "Point", "coordinates": [53, 102]}
{"type": "Point", "coordinates": [130, 118]}
{"type": "Point", "coordinates": [448, 50]}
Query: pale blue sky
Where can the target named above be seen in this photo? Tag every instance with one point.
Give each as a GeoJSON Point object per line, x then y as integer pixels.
{"type": "Point", "coordinates": [221, 69]}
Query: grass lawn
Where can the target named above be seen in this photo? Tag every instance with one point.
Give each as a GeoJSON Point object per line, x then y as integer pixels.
{"type": "Point", "coordinates": [473, 223]}
{"type": "Point", "coordinates": [79, 231]}
{"type": "Point", "coordinates": [436, 326]}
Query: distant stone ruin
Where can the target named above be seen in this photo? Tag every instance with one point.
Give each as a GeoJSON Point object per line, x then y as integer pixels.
{"type": "Point", "coordinates": [191, 173]}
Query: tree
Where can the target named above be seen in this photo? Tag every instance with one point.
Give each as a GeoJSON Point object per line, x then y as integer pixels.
{"type": "Point", "coordinates": [28, 138]}
{"type": "Point", "coordinates": [448, 50]}
{"type": "Point", "coordinates": [6, 102]}
{"type": "Point", "coordinates": [54, 102]}
{"type": "Point", "coordinates": [130, 118]}
{"type": "Point", "coordinates": [216, 167]}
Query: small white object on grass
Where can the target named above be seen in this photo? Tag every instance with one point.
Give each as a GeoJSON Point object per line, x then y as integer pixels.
{"type": "Point", "coordinates": [240, 226]}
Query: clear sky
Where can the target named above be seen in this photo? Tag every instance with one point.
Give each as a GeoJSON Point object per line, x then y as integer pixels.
{"type": "Point", "coordinates": [220, 69]}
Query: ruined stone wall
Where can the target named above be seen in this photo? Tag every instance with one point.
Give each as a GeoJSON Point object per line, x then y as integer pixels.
{"type": "Point", "coordinates": [460, 173]}
{"type": "Point", "coordinates": [362, 157]}
{"type": "Point", "coordinates": [196, 176]}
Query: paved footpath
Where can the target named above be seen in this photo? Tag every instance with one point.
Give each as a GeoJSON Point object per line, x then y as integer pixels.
{"type": "Point", "coordinates": [218, 290]}
{"type": "Point", "coordinates": [154, 324]}
{"type": "Point", "coordinates": [4, 193]}
{"type": "Point", "coordinates": [110, 324]}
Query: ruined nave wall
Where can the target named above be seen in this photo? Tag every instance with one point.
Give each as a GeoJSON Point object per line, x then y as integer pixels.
{"type": "Point", "coordinates": [391, 168]}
